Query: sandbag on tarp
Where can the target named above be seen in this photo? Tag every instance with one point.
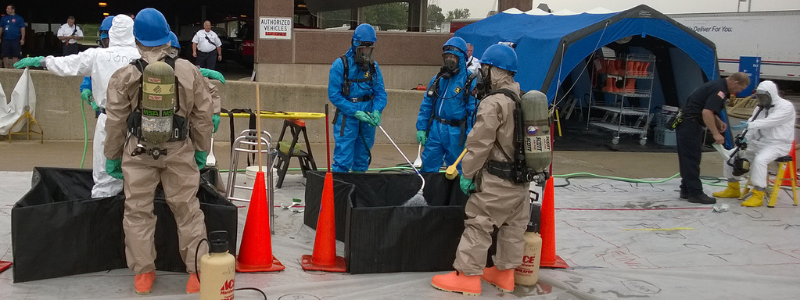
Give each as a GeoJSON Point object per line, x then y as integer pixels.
{"type": "Point", "coordinates": [57, 229]}
{"type": "Point", "coordinates": [380, 234]}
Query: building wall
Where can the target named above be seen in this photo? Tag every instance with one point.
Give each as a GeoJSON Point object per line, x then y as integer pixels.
{"type": "Point", "coordinates": [406, 58]}
{"type": "Point", "coordinates": [58, 107]}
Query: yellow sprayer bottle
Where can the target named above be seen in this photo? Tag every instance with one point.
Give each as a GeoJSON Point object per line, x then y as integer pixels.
{"type": "Point", "coordinates": [217, 269]}
{"type": "Point", "coordinates": [527, 274]}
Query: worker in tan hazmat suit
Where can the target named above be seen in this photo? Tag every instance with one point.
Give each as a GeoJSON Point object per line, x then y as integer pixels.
{"type": "Point", "coordinates": [494, 202]}
{"type": "Point", "coordinates": [143, 169]}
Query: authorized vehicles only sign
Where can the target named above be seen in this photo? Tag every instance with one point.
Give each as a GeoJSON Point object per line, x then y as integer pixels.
{"type": "Point", "coordinates": [275, 28]}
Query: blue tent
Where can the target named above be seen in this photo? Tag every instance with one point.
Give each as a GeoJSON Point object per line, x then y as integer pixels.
{"type": "Point", "coordinates": [549, 47]}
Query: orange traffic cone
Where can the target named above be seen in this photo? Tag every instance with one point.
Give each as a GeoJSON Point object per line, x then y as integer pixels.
{"type": "Point", "coordinates": [4, 265]}
{"type": "Point", "coordinates": [548, 230]}
{"type": "Point", "coordinates": [790, 172]}
{"type": "Point", "coordinates": [644, 68]}
{"type": "Point", "coordinates": [324, 256]}
{"type": "Point", "coordinates": [255, 253]}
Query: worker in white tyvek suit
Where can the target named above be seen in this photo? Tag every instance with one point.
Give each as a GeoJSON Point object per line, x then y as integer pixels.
{"type": "Point", "coordinates": [770, 134]}
{"type": "Point", "coordinates": [99, 63]}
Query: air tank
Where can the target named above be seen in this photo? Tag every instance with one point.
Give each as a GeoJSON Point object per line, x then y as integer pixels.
{"type": "Point", "coordinates": [536, 119]}
{"type": "Point", "coordinates": [158, 103]}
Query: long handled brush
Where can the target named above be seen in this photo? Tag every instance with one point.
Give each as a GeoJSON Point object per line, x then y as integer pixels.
{"type": "Point", "coordinates": [418, 199]}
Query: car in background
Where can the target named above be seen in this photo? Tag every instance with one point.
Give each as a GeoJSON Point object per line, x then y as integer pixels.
{"type": "Point", "coordinates": [245, 41]}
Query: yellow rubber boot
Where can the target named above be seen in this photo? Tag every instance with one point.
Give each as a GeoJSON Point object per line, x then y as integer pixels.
{"type": "Point", "coordinates": [756, 200]}
{"type": "Point", "coordinates": [731, 192]}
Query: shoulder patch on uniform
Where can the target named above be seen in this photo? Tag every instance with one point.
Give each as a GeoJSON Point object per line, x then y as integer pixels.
{"type": "Point", "coordinates": [721, 95]}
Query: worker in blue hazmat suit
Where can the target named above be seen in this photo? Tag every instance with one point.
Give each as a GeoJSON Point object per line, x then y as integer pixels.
{"type": "Point", "coordinates": [355, 87]}
{"type": "Point", "coordinates": [100, 64]}
{"type": "Point", "coordinates": [447, 111]}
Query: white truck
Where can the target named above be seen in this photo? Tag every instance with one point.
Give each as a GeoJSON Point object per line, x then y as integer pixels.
{"type": "Point", "coordinates": [770, 35]}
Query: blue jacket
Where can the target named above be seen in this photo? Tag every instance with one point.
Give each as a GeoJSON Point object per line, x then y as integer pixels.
{"type": "Point", "coordinates": [374, 87]}
{"type": "Point", "coordinates": [455, 102]}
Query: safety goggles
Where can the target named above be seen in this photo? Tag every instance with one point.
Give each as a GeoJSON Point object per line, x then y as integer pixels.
{"type": "Point", "coordinates": [452, 48]}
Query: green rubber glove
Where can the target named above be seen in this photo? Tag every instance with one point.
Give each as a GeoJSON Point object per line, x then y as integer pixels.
{"type": "Point", "coordinates": [212, 74]}
{"type": "Point", "coordinates": [114, 168]}
{"type": "Point", "coordinates": [94, 106]}
{"type": "Point", "coordinates": [467, 185]}
{"type": "Point", "coordinates": [363, 117]}
{"type": "Point", "coordinates": [200, 157]}
{"type": "Point", "coordinates": [215, 120]}
{"type": "Point", "coordinates": [376, 118]}
{"type": "Point", "coordinates": [29, 62]}
{"type": "Point", "coordinates": [422, 138]}
{"type": "Point", "coordinates": [86, 95]}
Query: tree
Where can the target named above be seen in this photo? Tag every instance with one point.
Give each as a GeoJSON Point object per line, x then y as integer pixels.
{"type": "Point", "coordinates": [435, 16]}
{"type": "Point", "coordinates": [458, 14]}
{"type": "Point", "coordinates": [387, 16]}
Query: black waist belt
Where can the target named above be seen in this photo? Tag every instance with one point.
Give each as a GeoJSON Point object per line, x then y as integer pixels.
{"type": "Point", "coordinates": [454, 123]}
{"type": "Point", "coordinates": [361, 99]}
{"type": "Point", "coordinates": [500, 169]}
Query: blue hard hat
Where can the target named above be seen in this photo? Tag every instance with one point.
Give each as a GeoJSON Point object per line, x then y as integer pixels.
{"type": "Point", "coordinates": [456, 42]}
{"type": "Point", "coordinates": [501, 56]}
{"type": "Point", "coordinates": [173, 40]}
{"type": "Point", "coordinates": [365, 33]}
{"type": "Point", "coordinates": [106, 25]}
{"type": "Point", "coordinates": [150, 28]}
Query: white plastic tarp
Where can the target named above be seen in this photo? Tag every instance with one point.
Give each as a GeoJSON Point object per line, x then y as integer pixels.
{"type": "Point", "coordinates": [23, 97]}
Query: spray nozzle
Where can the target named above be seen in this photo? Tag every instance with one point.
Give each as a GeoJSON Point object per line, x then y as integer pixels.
{"type": "Point", "coordinates": [218, 241]}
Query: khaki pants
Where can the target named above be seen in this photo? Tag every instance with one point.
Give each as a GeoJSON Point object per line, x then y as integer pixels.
{"type": "Point", "coordinates": [177, 171]}
{"type": "Point", "coordinates": [497, 203]}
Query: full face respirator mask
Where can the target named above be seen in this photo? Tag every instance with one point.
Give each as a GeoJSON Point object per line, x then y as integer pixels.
{"type": "Point", "coordinates": [449, 64]}
{"type": "Point", "coordinates": [483, 82]}
{"type": "Point", "coordinates": [363, 55]}
{"type": "Point", "coordinates": [764, 99]}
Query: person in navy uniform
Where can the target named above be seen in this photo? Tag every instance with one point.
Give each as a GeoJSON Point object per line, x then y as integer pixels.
{"type": "Point", "coordinates": [13, 34]}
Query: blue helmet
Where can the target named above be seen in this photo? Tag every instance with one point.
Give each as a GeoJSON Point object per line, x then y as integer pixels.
{"type": "Point", "coordinates": [173, 40]}
{"type": "Point", "coordinates": [365, 33]}
{"type": "Point", "coordinates": [501, 56]}
{"type": "Point", "coordinates": [457, 43]}
{"type": "Point", "coordinates": [150, 28]}
{"type": "Point", "coordinates": [105, 27]}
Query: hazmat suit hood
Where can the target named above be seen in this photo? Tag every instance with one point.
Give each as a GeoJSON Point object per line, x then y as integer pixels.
{"type": "Point", "coordinates": [152, 54]}
{"type": "Point", "coordinates": [773, 125]}
{"type": "Point", "coordinates": [502, 79]}
{"type": "Point", "coordinates": [121, 32]}
{"type": "Point", "coordinates": [770, 88]}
